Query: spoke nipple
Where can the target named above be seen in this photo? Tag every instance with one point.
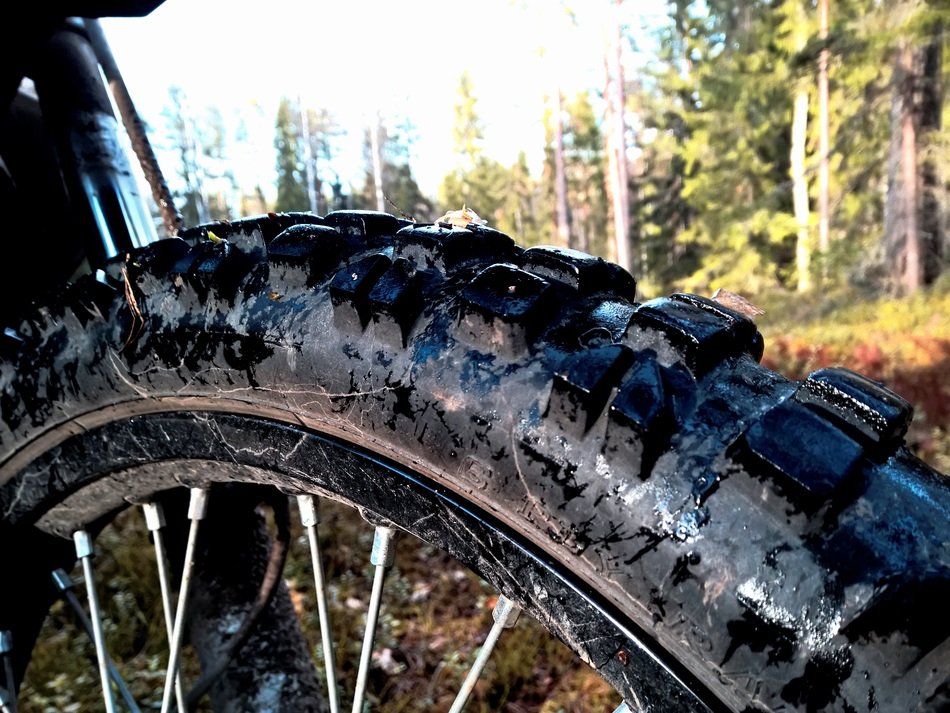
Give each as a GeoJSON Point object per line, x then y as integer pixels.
{"type": "Point", "coordinates": [506, 612]}
{"type": "Point", "coordinates": [309, 510]}
{"type": "Point", "coordinates": [6, 642]}
{"type": "Point", "coordinates": [198, 505]}
{"type": "Point", "coordinates": [62, 580]}
{"type": "Point", "coordinates": [383, 552]}
{"type": "Point", "coordinates": [84, 546]}
{"type": "Point", "coordinates": [154, 516]}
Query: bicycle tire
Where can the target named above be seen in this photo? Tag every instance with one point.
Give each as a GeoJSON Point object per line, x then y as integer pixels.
{"type": "Point", "coordinates": [761, 543]}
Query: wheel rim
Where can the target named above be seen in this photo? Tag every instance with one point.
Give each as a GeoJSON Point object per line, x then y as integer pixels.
{"type": "Point", "coordinates": [565, 607]}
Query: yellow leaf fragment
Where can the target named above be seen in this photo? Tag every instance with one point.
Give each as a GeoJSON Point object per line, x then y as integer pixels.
{"type": "Point", "coordinates": [461, 218]}
{"type": "Point", "coordinates": [737, 303]}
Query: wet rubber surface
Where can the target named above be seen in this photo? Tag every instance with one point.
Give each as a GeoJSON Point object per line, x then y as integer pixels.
{"type": "Point", "coordinates": [760, 532]}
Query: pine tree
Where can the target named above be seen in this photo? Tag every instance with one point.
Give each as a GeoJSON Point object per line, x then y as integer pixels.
{"type": "Point", "coordinates": [912, 236]}
{"type": "Point", "coordinates": [586, 180]}
{"type": "Point", "coordinates": [400, 193]}
{"type": "Point", "coordinates": [618, 181]}
{"type": "Point", "coordinates": [659, 211]}
{"type": "Point", "coordinates": [736, 150]}
{"type": "Point", "coordinates": [712, 182]}
{"type": "Point", "coordinates": [220, 184]}
{"type": "Point", "coordinates": [519, 212]}
{"type": "Point", "coordinates": [182, 135]}
{"type": "Point", "coordinates": [797, 28]}
{"type": "Point", "coordinates": [291, 186]}
{"type": "Point", "coordinates": [478, 182]}
{"type": "Point", "coordinates": [467, 131]}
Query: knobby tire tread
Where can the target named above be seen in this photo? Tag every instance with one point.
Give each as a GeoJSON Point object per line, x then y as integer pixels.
{"type": "Point", "coordinates": [774, 538]}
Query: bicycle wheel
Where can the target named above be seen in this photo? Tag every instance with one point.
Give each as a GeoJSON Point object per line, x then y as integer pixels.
{"type": "Point", "coordinates": [702, 531]}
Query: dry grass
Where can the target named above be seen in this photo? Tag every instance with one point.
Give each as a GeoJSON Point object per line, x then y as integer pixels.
{"type": "Point", "coordinates": [435, 614]}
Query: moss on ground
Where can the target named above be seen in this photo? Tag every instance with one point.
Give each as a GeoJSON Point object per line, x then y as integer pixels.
{"type": "Point", "coordinates": [435, 615]}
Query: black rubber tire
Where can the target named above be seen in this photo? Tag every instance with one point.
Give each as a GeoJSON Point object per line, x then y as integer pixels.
{"type": "Point", "coordinates": [772, 541]}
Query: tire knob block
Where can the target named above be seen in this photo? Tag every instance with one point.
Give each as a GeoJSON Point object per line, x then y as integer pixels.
{"type": "Point", "coordinates": [364, 223]}
{"type": "Point", "coordinates": [583, 384]}
{"type": "Point", "coordinates": [811, 456]}
{"type": "Point", "coordinates": [395, 302]}
{"type": "Point", "coordinates": [701, 331]}
{"type": "Point", "coordinates": [872, 413]}
{"type": "Point", "coordinates": [304, 254]}
{"type": "Point", "coordinates": [379, 289]}
{"type": "Point", "coordinates": [640, 418]}
{"type": "Point", "coordinates": [585, 273]}
{"type": "Point", "coordinates": [350, 288]}
{"type": "Point", "coordinates": [505, 308]}
{"type": "Point", "coordinates": [213, 265]}
{"type": "Point", "coordinates": [434, 246]}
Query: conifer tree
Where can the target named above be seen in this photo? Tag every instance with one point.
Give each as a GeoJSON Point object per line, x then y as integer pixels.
{"type": "Point", "coordinates": [291, 186]}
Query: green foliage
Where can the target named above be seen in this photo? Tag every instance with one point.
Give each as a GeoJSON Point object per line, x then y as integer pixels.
{"type": "Point", "coordinates": [482, 188]}
{"type": "Point", "coordinates": [205, 185]}
{"type": "Point", "coordinates": [736, 157]}
{"type": "Point", "coordinates": [585, 171]}
{"type": "Point", "coordinates": [291, 185]}
{"type": "Point", "coordinates": [402, 193]}
{"type": "Point", "coordinates": [521, 211]}
{"type": "Point", "coordinates": [467, 132]}
{"type": "Point", "coordinates": [584, 164]}
{"type": "Point", "coordinates": [711, 201]}
{"type": "Point", "coordinates": [506, 197]}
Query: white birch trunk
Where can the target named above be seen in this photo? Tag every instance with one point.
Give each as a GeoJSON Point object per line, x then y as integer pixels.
{"type": "Point", "coordinates": [824, 143]}
{"type": "Point", "coordinates": [560, 179]}
{"type": "Point", "coordinates": [377, 166]}
{"type": "Point", "coordinates": [616, 135]}
{"type": "Point", "coordinates": [800, 189]}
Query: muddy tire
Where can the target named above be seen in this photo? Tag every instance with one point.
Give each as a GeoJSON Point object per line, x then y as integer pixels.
{"type": "Point", "coordinates": [762, 544]}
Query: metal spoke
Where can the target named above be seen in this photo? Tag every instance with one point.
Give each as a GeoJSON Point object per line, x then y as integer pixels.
{"type": "Point", "coordinates": [197, 508]}
{"type": "Point", "coordinates": [506, 615]}
{"type": "Point", "coordinates": [66, 588]}
{"type": "Point", "coordinates": [155, 521]}
{"type": "Point", "coordinates": [310, 517]}
{"type": "Point", "coordinates": [6, 651]}
{"type": "Point", "coordinates": [381, 558]}
{"type": "Point", "coordinates": [84, 551]}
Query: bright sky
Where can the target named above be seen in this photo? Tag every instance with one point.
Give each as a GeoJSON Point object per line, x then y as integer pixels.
{"type": "Point", "coordinates": [357, 57]}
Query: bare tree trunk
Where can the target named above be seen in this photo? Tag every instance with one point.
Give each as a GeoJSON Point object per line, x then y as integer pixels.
{"type": "Point", "coordinates": [901, 232]}
{"type": "Point", "coordinates": [616, 135]}
{"type": "Point", "coordinates": [799, 147]}
{"type": "Point", "coordinates": [800, 189]}
{"type": "Point", "coordinates": [930, 105]}
{"type": "Point", "coordinates": [824, 143]}
{"type": "Point", "coordinates": [377, 165]}
{"type": "Point", "coordinates": [560, 179]}
{"type": "Point", "coordinates": [193, 173]}
{"type": "Point", "coordinates": [308, 157]}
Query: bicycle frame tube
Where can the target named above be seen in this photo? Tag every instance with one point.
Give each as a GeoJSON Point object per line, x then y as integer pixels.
{"type": "Point", "coordinates": [98, 174]}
